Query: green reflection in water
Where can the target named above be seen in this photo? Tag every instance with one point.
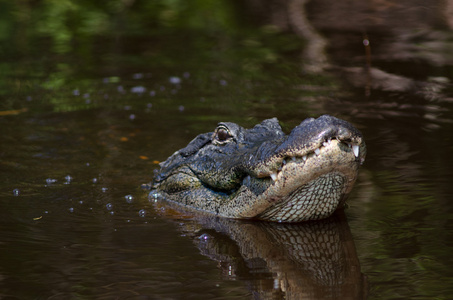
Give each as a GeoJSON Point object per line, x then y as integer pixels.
{"type": "Point", "coordinates": [66, 48]}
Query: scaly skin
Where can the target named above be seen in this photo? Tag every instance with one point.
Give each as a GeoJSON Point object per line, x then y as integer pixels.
{"type": "Point", "coordinates": [264, 174]}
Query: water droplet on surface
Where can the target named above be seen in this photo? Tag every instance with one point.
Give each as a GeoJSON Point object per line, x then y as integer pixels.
{"type": "Point", "coordinates": [138, 89]}
{"type": "Point", "coordinates": [109, 206]}
{"type": "Point", "coordinates": [95, 180]}
{"type": "Point", "coordinates": [204, 237]}
{"type": "Point", "coordinates": [129, 198]}
{"type": "Point", "coordinates": [76, 92]}
{"type": "Point", "coordinates": [276, 284]}
{"type": "Point", "coordinates": [104, 189]}
{"type": "Point", "coordinates": [68, 179]}
{"type": "Point", "coordinates": [142, 213]}
{"type": "Point", "coordinates": [175, 80]}
{"type": "Point", "coordinates": [16, 192]}
{"type": "Point", "coordinates": [152, 93]}
{"type": "Point", "coordinates": [181, 108]}
{"type": "Point", "coordinates": [71, 209]}
{"type": "Point", "coordinates": [223, 82]}
{"type": "Point", "coordinates": [154, 195]}
{"type": "Point", "coordinates": [50, 180]}
{"type": "Point", "coordinates": [132, 117]}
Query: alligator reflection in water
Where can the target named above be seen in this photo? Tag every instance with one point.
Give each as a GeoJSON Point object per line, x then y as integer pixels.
{"type": "Point", "coordinates": [312, 260]}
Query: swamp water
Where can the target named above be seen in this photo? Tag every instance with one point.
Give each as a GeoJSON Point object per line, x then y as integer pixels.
{"type": "Point", "coordinates": [93, 97]}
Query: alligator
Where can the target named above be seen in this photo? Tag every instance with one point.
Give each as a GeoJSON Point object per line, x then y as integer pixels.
{"type": "Point", "coordinates": [262, 173]}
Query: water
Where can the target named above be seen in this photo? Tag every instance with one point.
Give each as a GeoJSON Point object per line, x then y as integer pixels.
{"type": "Point", "coordinates": [91, 102]}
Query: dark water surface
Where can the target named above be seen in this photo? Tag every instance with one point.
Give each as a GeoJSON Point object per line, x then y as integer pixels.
{"type": "Point", "coordinates": [92, 97]}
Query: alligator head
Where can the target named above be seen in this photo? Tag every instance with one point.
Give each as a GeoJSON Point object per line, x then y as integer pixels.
{"type": "Point", "coordinates": [262, 173]}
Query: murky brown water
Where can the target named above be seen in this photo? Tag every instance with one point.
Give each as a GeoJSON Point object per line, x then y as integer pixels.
{"type": "Point", "coordinates": [86, 115]}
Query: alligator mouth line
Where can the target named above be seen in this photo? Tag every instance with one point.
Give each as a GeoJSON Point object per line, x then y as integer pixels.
{"type": "Point", "coordinates": [315, 153]}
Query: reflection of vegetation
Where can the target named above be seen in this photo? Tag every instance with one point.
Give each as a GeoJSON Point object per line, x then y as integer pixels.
{"type": "Point", "coordinates": [65, 21]}
{"type": "Point", "coordinates": [68, 23]}
{"type": "Point", "coordinates": [62, 46]}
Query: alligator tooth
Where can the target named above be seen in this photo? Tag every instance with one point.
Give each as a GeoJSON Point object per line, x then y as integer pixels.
{"type": "Point", "coordinates": [317, 151]}
{"type": "Point", "coordinates": [304, 157]}
{"type": "Point", "coordinates": [274, 176]}
{"type": "Point", "coordinates": [355, 149]}
{"type": "Point", "coordinates": [293, 159]}
{"type": "Point", "coordinates": [329, 141]}
{"type": "Point", "coordinates": [325, 144]}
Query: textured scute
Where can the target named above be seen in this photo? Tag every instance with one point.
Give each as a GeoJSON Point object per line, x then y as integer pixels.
{"type": "Point", "coordinates": [315, 200]}
{"type": "Point", "coordinates": [262, 173]}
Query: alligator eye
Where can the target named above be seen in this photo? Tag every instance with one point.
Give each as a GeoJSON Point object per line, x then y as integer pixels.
{"type": "Point", "coordinates": [222, 135]}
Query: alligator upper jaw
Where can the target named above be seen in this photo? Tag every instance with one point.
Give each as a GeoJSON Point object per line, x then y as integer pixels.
{"type": "Point", "coordinates": [330, 156]}
{"type": "Point", "coordinates": [355, 153]}
{"type": "Point", "coordinates": [352, 148]}
{"type": "Point", "coordinates": [306, 139]}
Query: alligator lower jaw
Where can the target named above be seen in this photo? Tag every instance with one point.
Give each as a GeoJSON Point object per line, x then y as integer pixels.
{"type": "Point", "coordinates": [315, 200]}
